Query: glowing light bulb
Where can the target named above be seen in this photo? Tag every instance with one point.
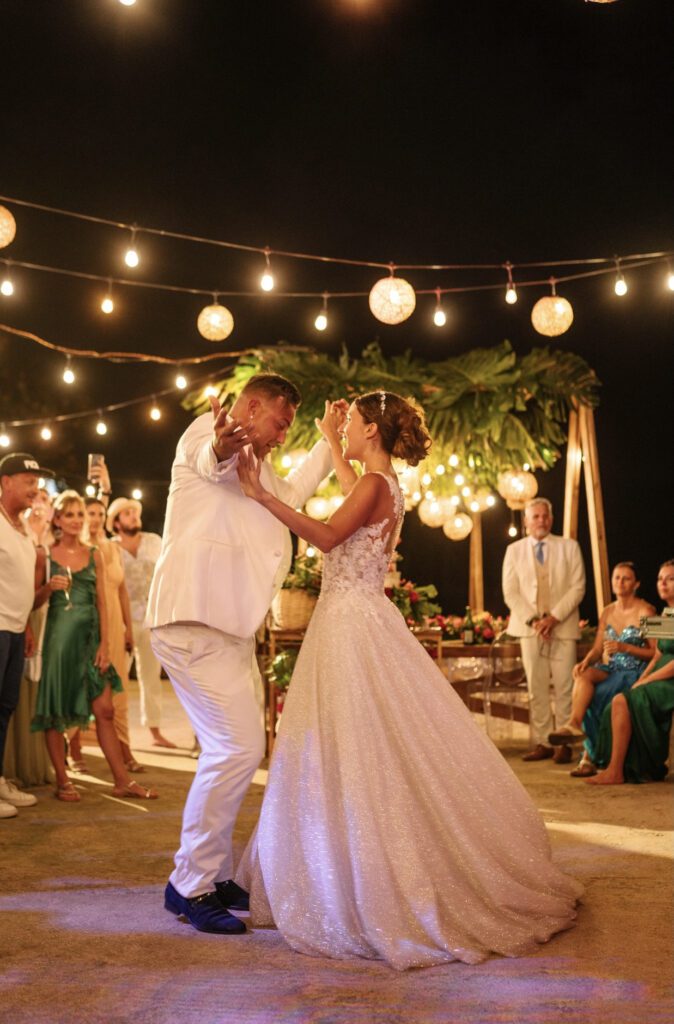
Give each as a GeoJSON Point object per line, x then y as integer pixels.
{"type": "Point", "coordinates": [426, 479]}
{"type": "Point", "coordinates": [429, 496]}
{"type": "Point", "coordinates": [620, 286]}
{"type": "Point", "coordinates": [440, 469]}
{"type": "Point", "coordinates": [7, 288]}
{"type": "Point", "coordinates": [459, 479]}
{"type": "Point", "coordinates": [455, 500]}
{"type": "Point", "coordinates": [286, 462]}
{"type": "Point", "coordinates": [137, 493]}
{"type": "Point", "coordinates": [90, 491]}
{"type": "Point", "coordinates": [267, 281]}
{"type": "Point", "coordinates": [416, 496]}
{"type": "Point", "coordinates": [453, 461]}
{"type": "Point", "coordinates": [512, 531]}
{"type": "Point", "coordinates": [68, 373]}
{"type": "Point", "coordinates": [45, 434]}
{"type": "Point", "coordinates": [5, 440]}
{"type": "Point", "coordinates": [670, 282]}
{"type": "Point", "coordinates": [475, 506]}
{"type": "Point", "coordinates": [101, 428]}
{"type": "Point", "coordinates": [311, 552]}
{"type": "Point", "coordinates": [526, 467]}
{"type": "Point", "coordinates": [131, 258]}
{"type": "Point", "coordinates": [466, 491]}
{"type": "Point", "coordinates": [209, 391]}
{"type": "Point", "coordinates": [439, 317]}
{"type": "Point", "coordinates": [155, 413]}
{"type": "Point", "coordinates": [127, 3]}
{"type": "Point", "coordinates": [321, 321]}
{"type": "Point", "coordinates": [490, 501]}
{"type": "Point", "coordinates": [107, 305]}
{"type": "Point", "coordinates": [511, 295]}
{"type": "Point", "coordinates": [181, 382]}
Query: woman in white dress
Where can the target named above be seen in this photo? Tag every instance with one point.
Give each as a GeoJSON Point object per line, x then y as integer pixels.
{"type": "Point", "coordinates": [391, 826]}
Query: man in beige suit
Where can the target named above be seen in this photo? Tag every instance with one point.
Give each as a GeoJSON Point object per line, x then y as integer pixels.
{"type": "Point", "coordinates": [543, 584]}
{"type": "Point", "coordinates": [223, 558]}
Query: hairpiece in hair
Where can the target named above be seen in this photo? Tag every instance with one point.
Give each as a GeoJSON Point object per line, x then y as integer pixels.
{"type": "Point", "coordinates": [382, 402]}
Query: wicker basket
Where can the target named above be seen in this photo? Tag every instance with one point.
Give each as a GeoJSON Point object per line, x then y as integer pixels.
{"type": "Point", "coordinates": [292, 609]}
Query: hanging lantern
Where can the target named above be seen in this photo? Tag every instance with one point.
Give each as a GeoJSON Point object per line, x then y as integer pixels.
{"type": "Point", "coordinates": [317, 507]}
{"type": "Point", "coordinates": [517, 487]}
{"type": "Point", "coordinates": [484, 499]}
{"type": "Point", "coordinates": [435, 511]}
{"type": "Point", "coordinates": [392, 300]}
{"type": "Point", "coordinates": [458, 526]}
{"type": "Point", "coordinates": [215, 323]}
{"type": "Point", "coordinates": [552, 315]}
{"type": "Point", "coordinates": [7, 227]}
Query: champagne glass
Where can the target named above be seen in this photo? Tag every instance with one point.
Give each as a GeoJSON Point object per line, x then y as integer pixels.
{"type": "Point", "coordinates": [69, 574]}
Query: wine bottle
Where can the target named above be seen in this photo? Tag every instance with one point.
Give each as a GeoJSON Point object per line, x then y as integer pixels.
{"type": "Point", "coordinates": [468, 635]}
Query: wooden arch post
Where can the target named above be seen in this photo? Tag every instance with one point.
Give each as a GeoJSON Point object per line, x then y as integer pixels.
{"type": "Point", "coordinates": [582, 452]}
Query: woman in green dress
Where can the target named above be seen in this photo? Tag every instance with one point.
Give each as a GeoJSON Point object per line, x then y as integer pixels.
{"type": "Point", "coordinates": [633, 739]}
{"type": "Point", "coordinates": [77, 677]}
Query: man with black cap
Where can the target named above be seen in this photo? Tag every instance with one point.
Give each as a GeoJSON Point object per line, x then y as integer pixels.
{"type": "Point", "coordinates": [19, 481]}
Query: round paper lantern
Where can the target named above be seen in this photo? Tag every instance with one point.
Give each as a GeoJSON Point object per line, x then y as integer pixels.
{"type": "Point", "coordinates": [517, 487]}
{"type": "Point", "coordinates": [8, 227]}
{"type": "Point", "coordinates": [215, 323]}
{"type": "Point", "coordinates": [317, 507]}
{"type": "Point", "coordinates": [458, 526]}
{"type": "Point", "coordinates": [484, 499]}
{"type": "Point", "coordinates": [392, 300]}
{"type": "Point", "coordinates": [434, 511]}
{"type": "Point", "coordinates": [552, 315]}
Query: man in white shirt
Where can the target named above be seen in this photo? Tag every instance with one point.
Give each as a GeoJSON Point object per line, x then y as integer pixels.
{"type": "Point", "coordinates": [223, 557]}
{"type": "Point", "coordinates": [543, 584]}
{"type": "Point", "coordinates": [140, 551]}
{"type": "Point", "coordinates": [19, 473]}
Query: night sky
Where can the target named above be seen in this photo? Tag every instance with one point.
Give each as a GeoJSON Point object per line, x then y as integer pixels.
{"type": "Point", "coordinates": [402, 130]}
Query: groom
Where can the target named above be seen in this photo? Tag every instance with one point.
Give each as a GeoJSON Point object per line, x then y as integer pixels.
{"type": "Point", "coordinates": [223, 557]}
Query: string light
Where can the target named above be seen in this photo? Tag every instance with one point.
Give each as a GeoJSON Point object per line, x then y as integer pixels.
{"type": "Point", "coordinates": [90, 491]}
{"type": "Point", "coordinates": [155, 411]}
{"type": "Point", "coordinates": [453, 461]}
{"type": "Point", "coordinates": [512, 529]}
{"type": "Point", "coordinates": [459, 479]}
{"type": "Point", "coordinates": [620, 286]}
{"type": "Point", "coordinates": [267, 279]}
{"type": "Point", "coordinates": [107, 305]}
{"type": "Point", "coordinates": [7, 285]}
{"type": "Point", "coordinates": [181, 381]}
{"type": "Point", "coordinates": [131, 257]}
{"type": "Point", "coordinates": [101, 427]}
{"type": "Point", "coordinates": [7, 227]}
{"type": "Point", "coordinates": [5, 439]}
{"type": "Point", "coordinates": [439, 315]}
{"type": "Point", "coordinates": [511, 290]}
{"type": "Point", "coordinates": [210, 391]}
{"type": "Point", "coordinates": [68, 373]}
{"type": "Point", "coordinates": [45, 433]}
{"type": "Point", "coordinates": [321, 321]}
{"type": "Point", "coordinates": [440, 469]}
{"type": "Point", "coordinates": [670, 278]}
{"type": "Point", "coordinates": [136, 493]}
{"type": "Point", "coordinates": [127, 3]}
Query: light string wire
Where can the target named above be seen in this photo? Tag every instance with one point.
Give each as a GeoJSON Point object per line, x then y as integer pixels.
{"type": "Point", "coordinates": [268, 251]}
{"type": "Point", "coordinates": [626, 263]}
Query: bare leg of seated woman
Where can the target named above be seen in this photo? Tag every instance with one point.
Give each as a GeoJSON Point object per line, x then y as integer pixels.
{"type": "Point", "coordinates": [583, 693]}
{"type": "Point", "coordinates": [621, 729]}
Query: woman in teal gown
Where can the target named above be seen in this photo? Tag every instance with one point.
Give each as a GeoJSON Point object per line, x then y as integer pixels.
{"type": "Point", "coordinates": [77, 677]}
{"type": "Point", "coordinates": [633, 743]}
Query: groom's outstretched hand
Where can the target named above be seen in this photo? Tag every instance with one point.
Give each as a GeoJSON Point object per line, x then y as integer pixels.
{"type": "Point", "coordinates": [248, 468]}
{"type": "Point", "coordinates": [229, 436]}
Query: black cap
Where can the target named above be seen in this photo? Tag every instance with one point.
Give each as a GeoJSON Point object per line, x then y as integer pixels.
{"type": "Point", "coordinates": [22, 462]}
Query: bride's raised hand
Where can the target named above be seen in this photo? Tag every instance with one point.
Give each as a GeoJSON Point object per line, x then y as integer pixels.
{"type": "Point", "coordinates": [332, 420]}
{"type": "Point", "coordinates": [248, 468]}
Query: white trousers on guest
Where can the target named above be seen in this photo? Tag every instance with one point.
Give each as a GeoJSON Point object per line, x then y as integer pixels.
{"type": "Point", "coordinates": [214, 676]}
{"type": "Point", "coordinates": [546, 664]}
{"type": "Point", "coordinates": [148, 672]}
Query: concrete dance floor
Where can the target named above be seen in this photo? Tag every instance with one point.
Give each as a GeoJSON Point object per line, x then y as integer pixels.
{"type": "Point", "coordinates": [84, 938]}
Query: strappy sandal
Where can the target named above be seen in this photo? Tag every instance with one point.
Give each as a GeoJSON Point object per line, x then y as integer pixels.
{"type": "Point", "coordinates": [134, 767]}
{"type": "Point", "coordinates": [584, 769]}
{"type": "Point", "coordinates": [79, 766]}
{"type": "Point", "coordinates": [68, 793]}
{"type": "Point", "coordinates": [134, 791]}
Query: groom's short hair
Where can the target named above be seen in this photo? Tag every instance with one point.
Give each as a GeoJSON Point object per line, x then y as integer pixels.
{"type": "Point", "coordinates": [272, 385]}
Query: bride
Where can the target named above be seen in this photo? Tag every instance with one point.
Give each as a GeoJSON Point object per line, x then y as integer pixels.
{"type": "Point", "coordinates": [391, 826]}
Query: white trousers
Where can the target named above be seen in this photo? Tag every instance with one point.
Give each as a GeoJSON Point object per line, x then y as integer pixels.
{"type": "Point", "coordinates": [546, 664]}
{"type": "Point", "coordinates": [214, 676]}
{"type": "Point", "coordinates": [148, 673]}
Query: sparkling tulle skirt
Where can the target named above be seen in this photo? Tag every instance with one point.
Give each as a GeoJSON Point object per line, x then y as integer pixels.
{"type": "Point", "coordinates": [391, 826]}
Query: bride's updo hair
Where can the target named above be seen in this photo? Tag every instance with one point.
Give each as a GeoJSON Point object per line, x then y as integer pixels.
{"type": "Point", "coordinates": [401, 424]}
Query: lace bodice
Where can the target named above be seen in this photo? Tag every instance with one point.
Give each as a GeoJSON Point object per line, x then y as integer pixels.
{"type": "Point", "coordinates": [360, 562]}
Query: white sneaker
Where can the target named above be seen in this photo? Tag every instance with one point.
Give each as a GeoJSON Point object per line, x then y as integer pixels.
{"type": "Point", "coordinates": [13, 796]}
{"type": "Point", "coordinates": [7, 811]}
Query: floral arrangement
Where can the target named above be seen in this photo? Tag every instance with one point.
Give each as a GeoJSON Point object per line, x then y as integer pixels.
{"type": "Point", "coordinates": [415, 603]}
{"type": "Point", "coordinates": [304, 575]}
{"type": "Point", "coordinates": [485, 625]}
{"type": "Point", "coordinates": [282, 667]}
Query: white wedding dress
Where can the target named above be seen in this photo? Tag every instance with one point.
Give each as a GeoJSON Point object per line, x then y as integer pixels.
{"type": "Point", "coordinates": [391, 826]}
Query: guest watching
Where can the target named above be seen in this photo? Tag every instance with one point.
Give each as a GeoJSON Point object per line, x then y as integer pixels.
{"type": "Point", "coordinates": [615, 662]}
{"type": "Point", "coordinates": [19, 473]}
{"type": "Point", "coordinates": [633, 743]}
{"type": "Point", "coordinates": [77, 677]}
{"type": "Point", "coordinates": [140, 551]}
{"type": "Point", "coordinates": [543, 584]}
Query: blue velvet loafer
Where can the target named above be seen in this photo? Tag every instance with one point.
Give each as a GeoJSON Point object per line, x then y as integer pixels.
{"type": "Point", "coordinates": [232, 895]}
{"type": "Point", "coordinates": [205, 913]}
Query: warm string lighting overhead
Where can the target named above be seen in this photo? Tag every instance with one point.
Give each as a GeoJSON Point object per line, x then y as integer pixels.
{"type": "Point", "coordinates": [670, 278]}
{"type": "Point", "coordinates": [7, 227]}
{"type": "Point", "coordinates": [5, 439]}
{"type": "Point", "coordinates": [127, 3]}
{"type": "Point", "coordinates": [439, 315]}
{"type": "Point", "coordinates": [131, 257]}
{"type": "Point", "coordinates": [68, 373]}
{"type": "Point", "coordinates": [107, 305]}
{"type": "Point", "coordinates": [620, 286]}
{"type": "Point", "coordinates": [155, 411]}
{"type": "Point", "coordinates": [46, 433]}
{"type": "Point", "coordinates": [392, 299]}
{"type": "Point", "coordinates": [321, 321]}
{"type": "Point", "coordinates": [137, 494]}
{"type": "Point", "coordinates": [511, 290]}
{"type": "Point", "coordinates": [267, 280]}
{"type": "Point", "coordinates": [215, 322]}
{"type": "Point", "coordinates": [181, 381]}
{"type": "Point", "coordinates": [7, 285]}
{"type": "Point", "coordinates": [101, 425]}
{"type": "Point", "coordinates": [552, 315]}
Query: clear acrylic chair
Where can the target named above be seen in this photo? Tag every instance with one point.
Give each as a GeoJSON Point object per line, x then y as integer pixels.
{"type": "Point", "coordinates": [505, 693]}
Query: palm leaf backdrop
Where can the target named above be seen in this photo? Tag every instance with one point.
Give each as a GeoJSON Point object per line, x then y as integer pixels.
{"type": "Point", "coordinates": [493, 409]}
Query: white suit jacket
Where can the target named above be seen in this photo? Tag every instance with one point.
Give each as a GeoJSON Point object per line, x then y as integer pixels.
{"type": "Point", "coordinates": [567, 585]}
{"type": "Point", "coordinates": [223, 555]}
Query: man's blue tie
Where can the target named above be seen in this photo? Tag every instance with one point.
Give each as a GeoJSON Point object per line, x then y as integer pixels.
{"type": "Point", "coordinates": [538, 547]}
